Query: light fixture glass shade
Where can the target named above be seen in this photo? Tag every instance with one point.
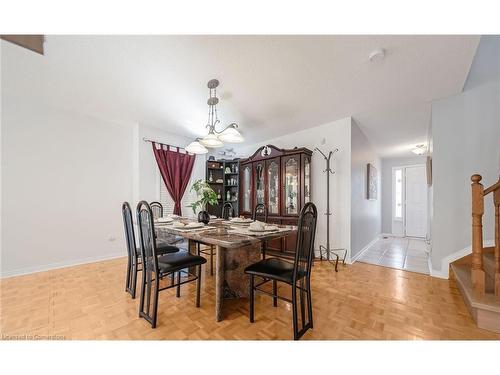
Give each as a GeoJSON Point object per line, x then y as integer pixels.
{"type": "Point", "coordinates": [196, 147]}
{"type": "Point", "coordinates": [211, 140]}
{"type": "Point", "coordinates": [419, 150]}
{"type": "Point", "coordinates": [231, 135]}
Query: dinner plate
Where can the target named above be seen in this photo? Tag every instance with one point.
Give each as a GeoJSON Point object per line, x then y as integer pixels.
{"type": "Point", "coordinates": [164, 220]}
{"type": "Point", "coordinates": [262, 230]}
{"type": "Point", "coordinates": [240, 221]}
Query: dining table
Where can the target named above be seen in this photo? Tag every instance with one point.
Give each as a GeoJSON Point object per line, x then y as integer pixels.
{"type": "Point", "coordinates": [237, 246]}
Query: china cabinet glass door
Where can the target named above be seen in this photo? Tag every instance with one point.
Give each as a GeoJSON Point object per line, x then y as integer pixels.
{"type": "Point", "coordinates": [259, 183]}
{"type": "Point", "coordinates": [273, 186]}
{"type": "Point", "coordinates": [291, 165]}
{"type": "Point", "coordinates": [246, 189]}
{"type": "Point", "coordinates": [307, 179]}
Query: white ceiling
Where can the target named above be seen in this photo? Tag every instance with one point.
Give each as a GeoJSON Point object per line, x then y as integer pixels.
{"type": "Point", "coordinates": [269, 84]}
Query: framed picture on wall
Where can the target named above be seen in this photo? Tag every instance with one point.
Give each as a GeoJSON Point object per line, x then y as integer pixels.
{"type": "Point", "coordinates": [372, 179]}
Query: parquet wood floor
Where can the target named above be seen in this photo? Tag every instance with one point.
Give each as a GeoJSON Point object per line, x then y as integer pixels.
{"type": "Point", "coordinates": [362, 301]}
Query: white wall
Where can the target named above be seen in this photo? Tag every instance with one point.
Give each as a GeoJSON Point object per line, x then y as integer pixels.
{"type": "Point", "coordinates": [486, 64]}
{"type": "Point", "coordinates": [387, 165]}
{"type": "Point", "coordinates": [65, 175]}
{"type": "Point", "coordinates": [466, 140]}
{"type": "Point", "coordinates": [64, 178]}
{"type": "Point", "coordinates": [327, 137]}
{"type": "Point", "coordinates": [365, 214]}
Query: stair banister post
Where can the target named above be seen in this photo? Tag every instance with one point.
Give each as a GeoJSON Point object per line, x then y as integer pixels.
{"type": "Point", "coordinates": [477, 273]}
{"type": "Point", "coordinates": [496, 200]}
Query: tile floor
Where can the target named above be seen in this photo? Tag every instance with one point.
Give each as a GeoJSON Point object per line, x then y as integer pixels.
{"type": "Point", "coordinates": [402, 253]}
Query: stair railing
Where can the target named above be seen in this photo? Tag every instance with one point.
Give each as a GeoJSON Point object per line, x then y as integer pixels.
{"type": "Point", "coordinates": [477, 272]}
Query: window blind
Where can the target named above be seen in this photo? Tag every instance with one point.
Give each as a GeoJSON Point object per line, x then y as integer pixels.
{"type": "Point", "coordinates": [168, 203]}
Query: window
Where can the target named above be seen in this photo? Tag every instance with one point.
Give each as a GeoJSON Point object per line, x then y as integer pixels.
{"type": "Point", "coordinates": [398, 194]}
{"type": "Point", "coordinates": [168, 203]}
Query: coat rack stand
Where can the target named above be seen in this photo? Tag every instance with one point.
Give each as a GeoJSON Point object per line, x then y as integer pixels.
{"type": "Point", "coordinates": [326, 250]}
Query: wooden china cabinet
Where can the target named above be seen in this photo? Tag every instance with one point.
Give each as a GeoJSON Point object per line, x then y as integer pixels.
{"type": "Point", "coordinates": [281, 179]}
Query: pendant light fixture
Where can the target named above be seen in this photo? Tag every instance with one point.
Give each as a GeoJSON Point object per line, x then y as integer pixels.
{"type": "Point", "coordinates": [419, 149]}
{"type": "Point", "coordinates": [196, 147]}
{"type": "Point", "coordinates": [214, 138]}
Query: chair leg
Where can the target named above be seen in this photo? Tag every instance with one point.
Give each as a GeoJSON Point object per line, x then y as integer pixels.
{"type": "Point", "coordinates": [264, 248]}
{"type": "Point", "coordinates": [155, 301]}
{"type": "Point", "coordinates": [309, 302]}
{"type": "Point", "coordinates": [127, 281]}
{"type": "Point", "coordinates": [275, 292]}
{"type": "Point", "coordinates": [294, 311]}
{"type": "Point", "coordinates": [134, 280]}
{"type": "Point", "coordinates": [198, 287]}
{"type": "Point", "coordinates": [178, 284]}
{"type": "Point", "coordinates": [148, 291]}
{"type": "Point", "coordinates": [172, 279]}
{"type": "Point", "coordinates": [211, 260]}
{"type": "Point", "coordinates": [302, 303]}
{"type": "Point", "coordinates": [143, 291]}
{"type": "Point", "coordinates": [251, 295]}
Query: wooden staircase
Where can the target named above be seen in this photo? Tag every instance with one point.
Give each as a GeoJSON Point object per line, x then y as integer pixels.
{"type": "Point", "coordinates": [478, 274]}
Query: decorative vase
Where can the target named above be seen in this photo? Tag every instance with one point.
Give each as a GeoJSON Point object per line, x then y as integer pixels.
{"type": "Point", "coordinates": [203, 217]}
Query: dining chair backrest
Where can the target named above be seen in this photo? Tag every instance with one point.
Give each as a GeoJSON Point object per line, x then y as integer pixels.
{"type": "Point", "coordinates": [260, 213]}
{"type": "Point", "coordinates": [306, 233]}
{"type": "Point", "coordinates": [128, 224]}
{"type": "Point", "coordinates": [227, 210]}
{"type": "Point", "coordinates": [157, 209]}
{"type": "Point", "coordinates": [147, 238]}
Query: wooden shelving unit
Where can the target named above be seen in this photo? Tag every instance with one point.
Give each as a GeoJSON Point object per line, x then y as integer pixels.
{"type": "Point", "coordinates": [223, 177]}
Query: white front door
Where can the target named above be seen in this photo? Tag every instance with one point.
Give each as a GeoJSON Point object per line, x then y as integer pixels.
{"type": "Point", "coordinates": [416, 201]}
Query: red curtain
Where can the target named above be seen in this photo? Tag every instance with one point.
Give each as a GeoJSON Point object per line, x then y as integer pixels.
{"type": "Point", "coordinates": [175, 168]}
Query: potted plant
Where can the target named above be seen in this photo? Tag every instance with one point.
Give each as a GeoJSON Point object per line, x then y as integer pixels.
{"type": "Point", "coordinates": [206, 195]}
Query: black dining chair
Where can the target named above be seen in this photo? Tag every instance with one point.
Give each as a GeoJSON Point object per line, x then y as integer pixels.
{"type": "Point", "coordinates": [260, 213]}
{"type": "Point", "coordinates": [296, 274]}
{"type": "Point", "coordinates": [134, 253]}
{"type": "Point", "coordinates": [227, 211]}
{"type": "Point", "coordinates": [157, 209]}
{"type": "Point", "coordinates": [156, 268]}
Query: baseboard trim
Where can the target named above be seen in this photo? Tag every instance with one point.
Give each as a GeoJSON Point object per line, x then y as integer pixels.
{"type": "Point", "coordinates": [444, 272]}
{"type": "Point", "coordinates": [57, 265]}
{"type": "Point", "coordinates": [360, 253]}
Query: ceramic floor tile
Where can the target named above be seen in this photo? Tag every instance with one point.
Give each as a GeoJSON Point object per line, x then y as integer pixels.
{"type": "Point", "coordinates": [399, 253]}
{"type": "Point", "coordinates": [413, 262]}
{"type": "Point", "coordinates": [417, 244]}
{"type": "Point", "coordinates": [374, 253]}
{"type": "Point", "coordinates": [396, 248]}
{"type": "Point", "coordinates": [395, 252]}
{"type": "Point", "coordinates": [393, 260]}
{"type": "Point", "coordinates": [378, 246]}
{"type": "Point", "coordinates": [416, 260]}
{"type": "Point", "coordinates": [416, 253]}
